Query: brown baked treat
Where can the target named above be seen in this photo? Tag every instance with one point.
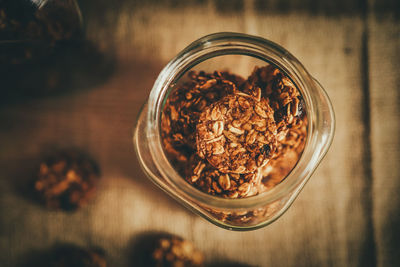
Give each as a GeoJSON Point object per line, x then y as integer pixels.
{"type": "Point", "coordinates": [223, 133]}
{"type": "Point", "coordinates": [236, 134]}
{"type": "Point", "coordinates": [183, 108]}
{"type": "Point", "coordinates": [287, 154]}
{"type": "Point", "coordinates": [204, 176]}
{"type": "Point", "coordinates": [77, 257]}
{"type": "Point", "coordinates": [66, 180]}
{"type": "Point", "coordinates": [284, 97]}
{"type": "Point", "coordinates": [176, 252]}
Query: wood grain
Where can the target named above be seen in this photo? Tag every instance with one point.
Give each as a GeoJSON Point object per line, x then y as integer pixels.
{"type": "Point", "coordinates": [334, 221]}
{"type": "Point", "coordinates": [384, 59]}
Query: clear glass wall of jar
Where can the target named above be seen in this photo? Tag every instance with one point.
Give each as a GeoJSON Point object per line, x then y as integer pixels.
{"type": "Point", "coordinates": [237, 53]}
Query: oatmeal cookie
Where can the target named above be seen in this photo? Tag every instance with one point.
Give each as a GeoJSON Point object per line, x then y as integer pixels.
{"type": "Point", "coordinates": [236, 134]}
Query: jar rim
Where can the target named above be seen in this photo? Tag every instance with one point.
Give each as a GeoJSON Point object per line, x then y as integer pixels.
{"type": "Point", "coordinates": [230, 43]}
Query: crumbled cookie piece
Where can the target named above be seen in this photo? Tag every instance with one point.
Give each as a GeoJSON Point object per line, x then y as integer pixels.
{"type": "Point", "coordinates": [66, 180]}
{"type": "Point", "coordinates": [229, 185]}
{"type": "Point", "coordinates": [176, 252]}
{"type": "Point", "coordinates": [236, 134]}
{"type": "Point", "coordinates": [287, 154]}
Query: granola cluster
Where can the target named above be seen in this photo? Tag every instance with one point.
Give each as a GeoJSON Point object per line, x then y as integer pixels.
{"type": "Point", "coordinates": [227, 136]}
{"type": "Point", "coordinates": [66, 180]}
{"type": "Point", "coordinates": [183, 109]}
{"type": "Point", "coordinates": [175, 251]}
{"type": "Point", "coordinates": [236, 134]}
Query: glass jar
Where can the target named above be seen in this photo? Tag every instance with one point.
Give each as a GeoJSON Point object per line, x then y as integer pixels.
{"type": "Point", "coordinates": [238, 53]}
{"type": "Point", "coordinates": [40, 41]}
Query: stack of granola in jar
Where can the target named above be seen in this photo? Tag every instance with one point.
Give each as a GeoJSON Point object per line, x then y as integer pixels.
{"type": "Point", "coordinates": [232, 137]}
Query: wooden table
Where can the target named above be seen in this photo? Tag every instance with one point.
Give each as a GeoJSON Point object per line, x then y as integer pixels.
{"type": "Point", "coordinates": [347, 215]}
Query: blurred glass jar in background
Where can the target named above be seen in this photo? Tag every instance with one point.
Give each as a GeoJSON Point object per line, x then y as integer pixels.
{"type": "Point", "coordinates": [43, 50]}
